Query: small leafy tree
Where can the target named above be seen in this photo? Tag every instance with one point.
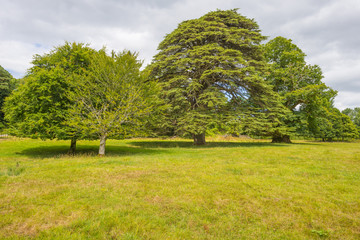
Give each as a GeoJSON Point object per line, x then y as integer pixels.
{"type": "Point", "coordinates": [38, 108]}
{"type": "Point", "coordinates": [111, 100]}
{"type": "Point", "coordinates": [210, 67]}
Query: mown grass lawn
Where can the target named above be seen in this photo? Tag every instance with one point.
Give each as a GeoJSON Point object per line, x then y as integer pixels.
{"type": "Point", "coordinates": [169, 189]}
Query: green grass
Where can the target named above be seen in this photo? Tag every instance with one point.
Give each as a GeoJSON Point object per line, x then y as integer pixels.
{"type": "Point", "coordinates": [170, 189]}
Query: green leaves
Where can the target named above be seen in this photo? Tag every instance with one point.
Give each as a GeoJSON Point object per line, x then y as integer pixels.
{"type": "Point", "coordinates": [330, 123]}
{"type": "Point", "coordinates": [208, 65]}
{"type": "Point", "coordinates": [38, 108]}
{"type": "Point", "coordinates": [354, 115]}
{"type": "Point", "coordinates": [282, 52]}
{"type": "Point", "coordinates": [303, 92]}
{"type": "Point", "coordinates": [7, 85]}
{"type": "Point", "coordinates": [112, 98]}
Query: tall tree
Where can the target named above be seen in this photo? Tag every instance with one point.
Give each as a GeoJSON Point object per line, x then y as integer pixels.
{"type": "Point", "coordinates": [39, 107]}
{"type": "Point", "coordinates": [7, 85]}
{"type": "Point", "coordinates": [298, 83]}
{"type": "Point", "coordinates": [111, 100]}
{"type": "Point", "coordinates": [206, 67]}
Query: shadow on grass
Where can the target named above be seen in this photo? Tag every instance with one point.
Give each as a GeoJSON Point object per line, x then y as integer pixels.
{"type": "Point", "coordinates": [138, 148]}
{"type": "Point", "coordinates": [84, 150]}
{"type": "Point", "coordinates": [183, 144]}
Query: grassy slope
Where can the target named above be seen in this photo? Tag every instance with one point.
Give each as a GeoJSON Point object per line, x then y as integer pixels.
{"type": "Point", "coordinates": [153, 189]}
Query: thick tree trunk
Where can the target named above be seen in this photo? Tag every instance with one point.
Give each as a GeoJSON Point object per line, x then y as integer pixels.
{"type": "Point", "coordinates": [281, 139]}
{"type": "Point", "coordinates": [199, 139]}
{"type": "Point", "coordinates": [102, 145]}
{"type": "Point", "coordinates": [72, 146]}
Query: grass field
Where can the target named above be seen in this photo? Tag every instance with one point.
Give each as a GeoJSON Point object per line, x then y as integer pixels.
{"type": "Point", "coordinates": [170, 189]}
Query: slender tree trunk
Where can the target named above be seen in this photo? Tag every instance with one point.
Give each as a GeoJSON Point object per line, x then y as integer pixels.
{"type": "Point", "coordinates": [102, 145]}
{"type": "Point", "coordinates": [281, 139]}
{"type": "Point", "coordinates": [199, 139]}
{"type": "Point", "coordinates": [72, 146]}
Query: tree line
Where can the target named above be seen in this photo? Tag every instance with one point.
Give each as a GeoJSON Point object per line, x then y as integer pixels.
{"type": "Point", "coordinates": [211, 75]}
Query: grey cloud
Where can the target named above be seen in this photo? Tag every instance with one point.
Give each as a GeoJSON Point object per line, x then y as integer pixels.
{"type": "Point", "coordinates": [347, 100]}
{"type": "Point", "coordinates": [327, 30]}
{"type": "Point", "coordinates": [335, 24]}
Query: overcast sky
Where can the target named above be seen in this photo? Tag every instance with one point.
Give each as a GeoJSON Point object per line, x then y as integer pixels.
{"type": "Point", "coordinates": [328, 31]}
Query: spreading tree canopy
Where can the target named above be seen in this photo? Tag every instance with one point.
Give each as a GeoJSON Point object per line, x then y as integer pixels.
{"type": "Point", "coordinates": [209, 67]}
{"type": "Point", "coordinates": [38, 108]}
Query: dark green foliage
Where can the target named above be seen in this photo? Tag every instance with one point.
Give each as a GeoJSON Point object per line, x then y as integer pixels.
{"type": "Point", "coordinates": [211, 67]}
{"type": "Point", "coordinates": [39, 107]}
{"type": "Point", "coordinates": [5, 74]}
{"type": "Point", "coordinates": [354, 115]}
{"type": "Point", "coordinates": [7, 85]}
{"type": "Point", "coordinates": [331, 124]}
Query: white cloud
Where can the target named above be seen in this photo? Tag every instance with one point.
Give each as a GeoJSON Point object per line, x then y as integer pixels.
{"type": "Point", "coordinates": [16, 56]}
{"type": "Point", "coordinates": [326, 30]}
{"type": "Point", "coordinates": [346, 99]}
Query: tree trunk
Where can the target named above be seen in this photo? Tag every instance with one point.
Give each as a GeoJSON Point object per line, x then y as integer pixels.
{"type": "Point", "coordinates": [102, 145]}
{"type": "Point", "coordinates": [281, 139]}
{"type": "Point", "coordinates": [199, 139]}
{"type": "Point", "coordinates": [72, 146]}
